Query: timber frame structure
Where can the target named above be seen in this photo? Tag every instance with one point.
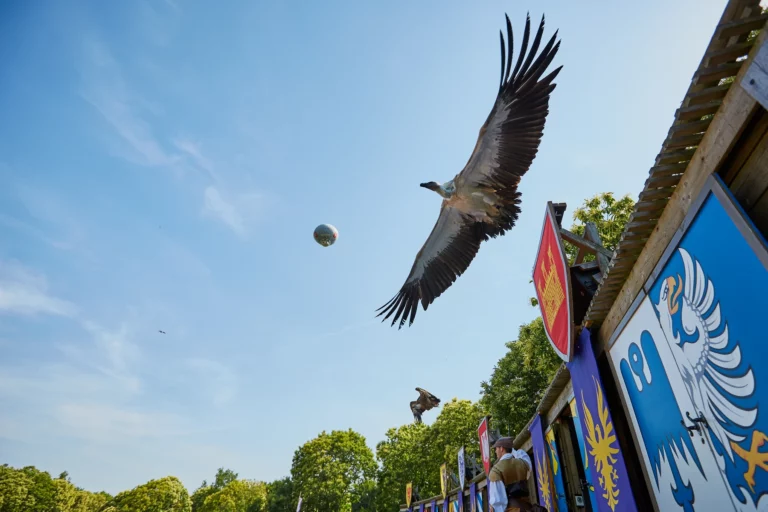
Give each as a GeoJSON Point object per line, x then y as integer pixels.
{"type": "Point", "coordinates": [720, 128]}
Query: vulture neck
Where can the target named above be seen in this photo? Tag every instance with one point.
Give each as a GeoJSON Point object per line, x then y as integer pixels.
{"type": "Point", "coordinates": [446, 190]}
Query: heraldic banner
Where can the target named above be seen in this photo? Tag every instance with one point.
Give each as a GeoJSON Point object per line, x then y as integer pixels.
{"type": "Point", "coordinates": [552, 281]}
{"type": "Point", "coordinates": [473, 497]}
{"type": "Point", "coordinates": [543, 470]}
{"type": "Point", "coordinates": [606, 462]}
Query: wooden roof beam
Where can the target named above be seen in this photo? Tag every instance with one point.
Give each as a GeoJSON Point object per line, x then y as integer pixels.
{"type": "Point", "coordinates": [726, 127]}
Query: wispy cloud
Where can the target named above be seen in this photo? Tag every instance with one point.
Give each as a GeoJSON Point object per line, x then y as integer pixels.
{"type": "Point", "coordinates": [215, 205]}
{"type": "Point", "coordinates": [193, 151]}
{"type": "Point", "coordinates": [219, 379]}
{"type": "Point", "coordinates": [25, 292]}
{"type": "Point", "coordinates": [105, 88]}
{"type": "Point", "coordinates": [49, 219]}
{"type": "Point", "coordinates": [239, 211]}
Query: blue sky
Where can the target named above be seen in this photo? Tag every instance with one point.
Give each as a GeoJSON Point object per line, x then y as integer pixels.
{"type": "Point", "coordinates": [163, 164]}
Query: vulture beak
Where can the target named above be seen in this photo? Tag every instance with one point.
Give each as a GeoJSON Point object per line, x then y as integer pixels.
{"type": "Point", "coordinates": [430, 185]}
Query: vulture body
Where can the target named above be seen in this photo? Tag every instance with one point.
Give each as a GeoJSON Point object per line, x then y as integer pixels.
{"type": "Point", "coordinates": [425, 402]}
{"type": "Point", "coordinates": [482, 201]}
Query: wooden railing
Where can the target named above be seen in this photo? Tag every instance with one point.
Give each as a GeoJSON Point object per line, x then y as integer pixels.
{"type": "Point", "coordinates": [481, 482]}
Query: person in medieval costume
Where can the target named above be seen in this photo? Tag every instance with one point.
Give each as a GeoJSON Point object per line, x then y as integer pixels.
{"type": "Point", "coordinates": [508, 486]}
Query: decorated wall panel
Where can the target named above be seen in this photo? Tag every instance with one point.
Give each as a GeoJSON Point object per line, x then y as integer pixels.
{"type": "Point", "coordinates": [690, 364]}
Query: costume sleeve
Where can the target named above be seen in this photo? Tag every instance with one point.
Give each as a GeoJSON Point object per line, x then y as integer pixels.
{"type": "Point", "coordinates": [520, 454]}
{"type": "Point", "coordinates": [497, 493]}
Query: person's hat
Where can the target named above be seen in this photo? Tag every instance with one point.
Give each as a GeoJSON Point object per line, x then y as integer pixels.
{"type": "Point", "coordinates": [504, 442]}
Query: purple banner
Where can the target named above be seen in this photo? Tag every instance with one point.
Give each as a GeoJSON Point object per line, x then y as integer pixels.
{"type": "Point", "coordinates": [612, 489]}
{"type": "Point", "coordinates": [421, 508]}
{"type": "Point", "coordinates": [472, 497]}
{"type": "Point", "coordinates": [433, 506]}
{"type": "Point", "coordinates": [543, 470]}
{"type": "Point", "coordinates": [445, 505]}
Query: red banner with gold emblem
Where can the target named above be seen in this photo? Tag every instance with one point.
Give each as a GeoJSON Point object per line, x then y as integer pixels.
{"type": "Point", "coordinates": [552, 281]}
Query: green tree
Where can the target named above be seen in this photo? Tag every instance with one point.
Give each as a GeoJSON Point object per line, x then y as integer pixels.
{"type": "Point", "coordinates": [403, 457]}
{"type": "Point", "coordinates": [66, 495]}
{"type": "Point", "coordinates": [414, 452]}
{"type": "Point", "coordinates": [280, 496]}
{"type": "Point", "coordinates": [610, 216]}
{"type": "Point", "coordinates": [332, 471]}
{"type": "Point", "coordinates": [162, 495]}
{"type": "Point", "coordinates": [198, 497]}
{"type": "Point", "coordinates": [223, 478]}
{"type": "Point", "coordinates": [15, 491]}
{"type": "Point", "coordinates": [238, 496]}
{"type": "Point", "coordinates": [519, 379]}
{"type": "Point", "coordinates": [90, 502]}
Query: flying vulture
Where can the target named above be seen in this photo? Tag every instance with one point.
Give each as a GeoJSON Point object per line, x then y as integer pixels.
{"type": "Point", "coordinates": [425, 402]}
{"type": "Point", "coordinates": [482, 201]}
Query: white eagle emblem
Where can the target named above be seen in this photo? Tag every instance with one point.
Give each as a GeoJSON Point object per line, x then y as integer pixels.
{"type": "Point", "coordinates": [698, 338]}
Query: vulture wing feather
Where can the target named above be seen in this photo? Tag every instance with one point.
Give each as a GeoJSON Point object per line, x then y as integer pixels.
{"type": "Point", "coordinates": [506, 147]}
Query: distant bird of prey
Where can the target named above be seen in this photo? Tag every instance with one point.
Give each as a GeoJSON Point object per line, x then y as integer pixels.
{"type": "Point", "coordinates": [482, 200]}
{"type": "Point", "coordinates": [161, 332]}
{"type": "Point", "coordinates": [425, 402]}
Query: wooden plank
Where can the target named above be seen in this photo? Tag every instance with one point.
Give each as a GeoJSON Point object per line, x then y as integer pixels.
{"type": "Point", "coordinates": [698, 110]}
{"type": "Point", "coordinates": [759, 214]}
{"type": "Point", "coordinates": [741, 26]}
{"type": "Point", "coordinates": [754, 133]}
{"type": "Point", "coordinates": [656, 193]}
{"type": "Point", "coordinates": [728, 54]}
{"type": "Point", "coordinates": [640, 225]}
{"type": "Point", "coordinates": [583, 243]}
{"type": "Point", "coordinates": [752, 179]}
{"type": "Point", "coordinates": [675, 157]}
{"type": "Point", "coordinates": [726, 128]}
{"type": "Point", "coordinates": [663, 181]}
{"type": "Point", "coordinates": [644, 206]}
{"type": "Point", "coordinates": [708, 94]}
{"type": "Point", "coordinates": [716, 73]}
{"type": "Point", "coordinates": [644, 215]}
{"type": "Point", "coordinates": [591, 233]}
{"type": "Point", "coordinates": [683, 141]}
{"type": "Point", "coordinates": [668, 170]}
{"type": "Point", "coordinates": [755, 80]}
{"type": "Point", "coordinates": [560, 403]}
{"type": "Point", "coordinates": [689, 128]}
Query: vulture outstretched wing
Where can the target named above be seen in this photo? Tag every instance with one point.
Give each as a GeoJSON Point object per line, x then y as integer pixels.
{"type": "Point", "coordinates": [507, 144]}
{"type": "Point", "coordinates": [427, 400]}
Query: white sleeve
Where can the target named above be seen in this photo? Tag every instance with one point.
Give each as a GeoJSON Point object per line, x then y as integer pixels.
{"type": "Point", "coordinates": [497, 496]}
{"type": "Point", "coordinates": [520, 454]}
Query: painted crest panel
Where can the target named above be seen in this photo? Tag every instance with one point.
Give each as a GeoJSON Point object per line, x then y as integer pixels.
{"type": "Point", "coordinates": [690, 364]}
{"type": "Point", "coordinates": [552, 281]}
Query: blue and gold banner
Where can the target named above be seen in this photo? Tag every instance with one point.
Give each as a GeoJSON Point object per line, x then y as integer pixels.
{"type": "Point", "coordinates": [606, 462]}
{"type": "Point", "coordinates": [583, 457]}
{"type": "Point", "coordinates": [543, 470]}
{"type": "Point", "coordinates": [557, 468]}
